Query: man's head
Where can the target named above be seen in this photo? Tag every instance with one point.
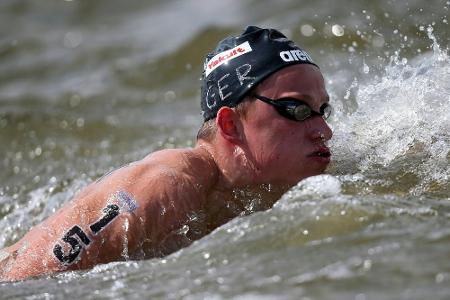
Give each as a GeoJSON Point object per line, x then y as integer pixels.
{"type": "Point", "coordinates": [240, 62]}
{"type": "Point", "coordinates": [283, 140]}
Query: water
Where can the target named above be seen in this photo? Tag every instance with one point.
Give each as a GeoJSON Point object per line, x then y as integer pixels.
{"type": "Point", "coordinates": [86, 87]}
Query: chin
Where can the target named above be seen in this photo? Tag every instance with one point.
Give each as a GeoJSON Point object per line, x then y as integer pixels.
{"type": "Point", "coordinates": [294, 176]}
{"type": "Point", "coordinates": [319, 171]}
{"type": "Point", "coordinates": [309, 174]}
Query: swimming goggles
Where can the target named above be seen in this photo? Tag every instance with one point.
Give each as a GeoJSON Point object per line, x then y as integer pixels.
{"type": "Point", "coordinates": [295, 109]}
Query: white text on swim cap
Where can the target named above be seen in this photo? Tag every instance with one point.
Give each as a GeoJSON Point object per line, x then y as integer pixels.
{"type": "Point", "coordinates": [226, 56]}
{"type": "Point", "coordinates": [295, 55]}
{"type": "Point", "coordinates": [222, 86]}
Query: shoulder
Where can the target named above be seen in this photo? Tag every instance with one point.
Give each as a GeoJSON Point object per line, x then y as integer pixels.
{"type": "Point", "coordinates": [181, 164]}
{"type": "Point", "coordinates": [165, 173]}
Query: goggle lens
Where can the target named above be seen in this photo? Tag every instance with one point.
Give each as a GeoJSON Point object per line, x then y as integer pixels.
{"type": "Point", "coordinates": [295, 109]}
{"type": "Point", "coordinates": [302, 112]}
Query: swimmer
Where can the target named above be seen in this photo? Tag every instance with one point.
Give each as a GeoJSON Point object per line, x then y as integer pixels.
{"type": "Point", "coordinates": [264, 106]}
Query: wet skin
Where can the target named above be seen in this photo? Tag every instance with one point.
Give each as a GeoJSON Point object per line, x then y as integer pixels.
{"type": "Point", "coordinates": [175, 187]}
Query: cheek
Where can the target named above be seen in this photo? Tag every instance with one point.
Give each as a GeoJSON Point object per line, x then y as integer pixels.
{"type": "Point", "coordinates": [270, 143]}
{"type": "Point", "coordinates": [263, 144]}
{"type": "Point", "coordinates": [283, 145]}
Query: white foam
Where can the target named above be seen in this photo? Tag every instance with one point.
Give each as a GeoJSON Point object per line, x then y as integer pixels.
{"type": "Point", "coordinates": [321, 186]}
{"type": "Point", "coordinates": [404, 114]}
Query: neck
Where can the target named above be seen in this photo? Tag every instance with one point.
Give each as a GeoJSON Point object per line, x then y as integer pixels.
{"type": "Point", "coordinates": [235, 171]}
{"type": "Point", "coordinates": [233, 167]}
{"type": "Point", "coordinates": [231, 191]}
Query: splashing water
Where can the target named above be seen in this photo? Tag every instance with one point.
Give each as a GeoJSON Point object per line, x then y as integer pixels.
{"type": "Point", "coordinates": [401, 121]}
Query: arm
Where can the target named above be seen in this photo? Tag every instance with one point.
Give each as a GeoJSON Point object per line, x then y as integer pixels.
{"type": "Point", "coordinates": [133, 208]}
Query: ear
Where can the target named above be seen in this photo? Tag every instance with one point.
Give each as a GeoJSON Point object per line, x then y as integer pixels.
{"type": "Point", "coordinates": [229, 125]}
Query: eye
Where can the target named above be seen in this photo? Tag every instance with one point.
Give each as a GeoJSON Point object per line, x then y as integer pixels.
{"type": "Point", "coordinates": [302, 112]}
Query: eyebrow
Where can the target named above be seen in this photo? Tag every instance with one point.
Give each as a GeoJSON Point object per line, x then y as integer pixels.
{"type": "Point", "coordinates": [307, 97]}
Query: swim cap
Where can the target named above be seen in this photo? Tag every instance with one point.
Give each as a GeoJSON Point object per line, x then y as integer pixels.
{"type": "Point", "coordinates": [240, 62]}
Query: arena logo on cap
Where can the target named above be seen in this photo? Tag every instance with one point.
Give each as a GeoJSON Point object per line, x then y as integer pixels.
{"type": "Point", "coordinates": [295, 55]}
{"type": "Point", "coordinates": [226, 56]}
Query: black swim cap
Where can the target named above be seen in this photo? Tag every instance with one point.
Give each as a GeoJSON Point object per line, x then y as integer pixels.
{"type": "Point", "coordinates": [240, 62]}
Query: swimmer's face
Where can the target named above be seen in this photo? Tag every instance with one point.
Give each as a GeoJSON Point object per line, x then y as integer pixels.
{"type": "Point", "coordinates": [283, 150]}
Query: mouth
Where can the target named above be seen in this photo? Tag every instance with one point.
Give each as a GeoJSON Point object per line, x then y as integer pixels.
{"type": "Point", "coordinates": [322, 152]}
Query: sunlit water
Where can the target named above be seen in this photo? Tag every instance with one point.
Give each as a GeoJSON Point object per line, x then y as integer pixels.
{"type": "Point", "coordinates": [85, 88]}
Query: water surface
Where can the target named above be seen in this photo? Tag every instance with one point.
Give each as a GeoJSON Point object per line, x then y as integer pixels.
{"type": "Point", "coordinates": [86, 87]}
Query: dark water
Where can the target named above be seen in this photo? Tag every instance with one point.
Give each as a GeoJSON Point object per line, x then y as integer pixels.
{"type": "Point", "coordinates": [86, 86]}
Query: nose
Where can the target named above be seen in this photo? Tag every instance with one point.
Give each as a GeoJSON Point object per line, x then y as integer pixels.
{"type": "Point", "coordinates": [320, 130]}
